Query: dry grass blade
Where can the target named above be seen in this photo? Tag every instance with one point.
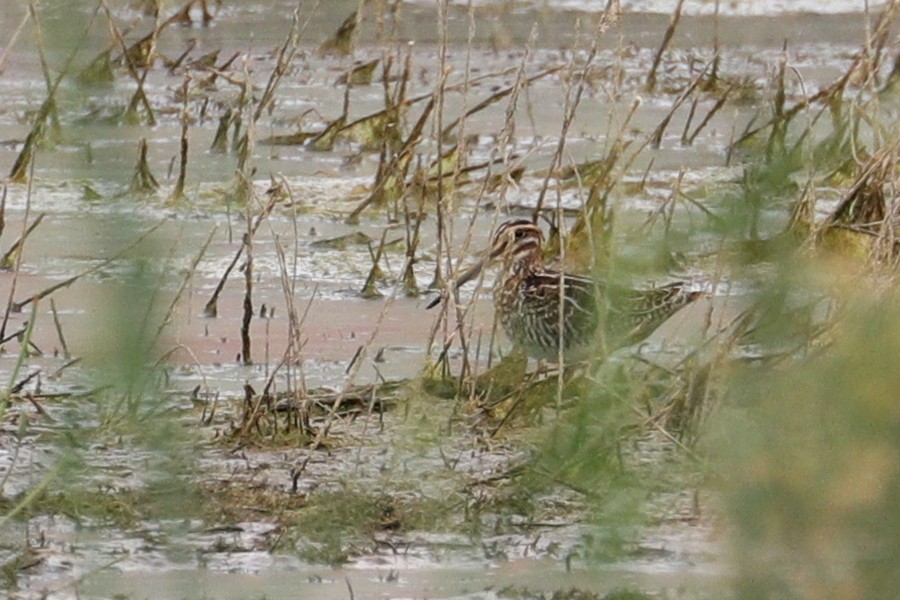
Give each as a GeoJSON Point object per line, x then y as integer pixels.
{"type": "Point", "coordinates": [25, 159]}
{"type": "Point", "coordinates": [11, 257]}
{"type": "Point", "coordinates": [133, 61]}
{"type": "Point", "coordinates": [59, 331]}
{"type": "Point", "coordinates": [390, 181]}
{"type": "Point", "coordinates": [282, 64]}
{"type": "Point", "coordinates": [667, 37]}
{"type": "Point", "coordinates": [656, 137]}
{"type": "Point", "coordinates": [211, 309]}
{"type": "Point", "coordinates": [496, 97]}
{"type": "Point", "coordinates": [688, 140]}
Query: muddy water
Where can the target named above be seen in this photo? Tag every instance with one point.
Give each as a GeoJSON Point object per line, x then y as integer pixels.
{"type": "Point", "coordinates": [79, 185]}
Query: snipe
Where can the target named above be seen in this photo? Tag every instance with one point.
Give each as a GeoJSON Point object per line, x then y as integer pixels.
{"type": "Point", "coordinates": [528, 297]}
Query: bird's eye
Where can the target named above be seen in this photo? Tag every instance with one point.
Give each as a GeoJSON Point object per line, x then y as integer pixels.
{"type": "Point", "coordinates": [519, 233]}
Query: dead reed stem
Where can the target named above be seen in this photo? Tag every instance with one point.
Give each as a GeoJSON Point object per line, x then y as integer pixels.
{"type": "Point", "coordinates": [10, 258]}
{"type": "Point", "coordinates": [667, 37]}
{"type": "Point", "coordinates": [59, 330]}
{"type": "Point", "coordinates": [282, 63]}
{"type": "Point", "coordinates": [720, 102]}
{"type": "Point", "coordinates": [22, 165]}
{"type": "Point", "coordinates": [211, 309]}
{"type": "Point", "coordinates": [246, 357]}
{"type": "Point", "coordinates": [143, 179]}
{"type": "Point", "coordinates": [178, 192]}
{"type": "Point", "coordinates": [656, 137]}
{"type": "Point", "coordinates": [10, 305]}
{"type": "Point", "coordinates": [129, 60]}
{"type": "Point", "coordinates": [571, 102]}
{"type": "Point", "coordinates": [3, 207]}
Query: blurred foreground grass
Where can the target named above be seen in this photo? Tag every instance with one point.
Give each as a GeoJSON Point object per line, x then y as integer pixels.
{"type": "Point", "coordinates": [809, 460]}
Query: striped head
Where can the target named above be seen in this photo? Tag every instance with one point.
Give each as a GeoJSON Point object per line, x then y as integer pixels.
{"type": "Point", "coordinates": [517, 243]}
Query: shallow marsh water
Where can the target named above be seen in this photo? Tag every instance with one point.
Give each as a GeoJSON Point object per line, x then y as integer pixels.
{"type": "Point", "coordinates": [680, 558]}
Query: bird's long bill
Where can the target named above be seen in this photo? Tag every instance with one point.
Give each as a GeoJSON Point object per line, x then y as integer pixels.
{"type": "Point", "coordinates": [467, 276]}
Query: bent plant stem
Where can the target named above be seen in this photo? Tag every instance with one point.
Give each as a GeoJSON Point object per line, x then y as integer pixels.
{"type": "Point", "coordinates": [10, 258]}
{"type": "Point", "coordinates": [20, 361]}
{"type": "Point", "coordinates": [10, 305]}
{"type": "Point", "coordinates": [211, 308]}
{"type": "Point", "coordinates": [25, 159]}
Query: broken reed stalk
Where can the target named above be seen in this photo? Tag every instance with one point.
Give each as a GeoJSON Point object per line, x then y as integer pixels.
{"type": "Point", "coordinates": [370, 288]}
{"type": "Point", "coordinates": [497, 96]}
{"type": "Point", "coordinates": [607, 19]}
{"type": "Point", "coordinates": [570, 108]}
{"type": "Point", "coordinates": [178, 193]}
{"type": "Point", "coordinates": [438, 127]}
{"type": "Point", "coordinates": [45, 68]}
{"type": "Point", "coordinates": [11, 257]}
{"type": "Point", "coordinates": [211, 308]}
{"type": "Point", "coordinates": [292, 352]}
{"type": "Point", "coordinates": [667, 37]}
{"type": "Point", "coordinates": [689, 120]}
{"type": "Point", "coordinates": [246, 357]}
{"type": "Point", "coordinates": [779, 126]}
{"type": "Point", "coordinates": [689, 140]}
{"type": "Point", "coordinates": [143, 180]}
{"type": "Point", "coordinates": [59, 330]}
{"type": "Point", "coordinates": [143, 50]}
{"type": "Point", "coordinates": [288, 280]}
{"type": "Point", "coordinates": [656, 137]}
{"type": "Point", "coordinates": [397, 167]}
{"type": "Point", "coordinates": [413, 224]}
{"type": "Point", "coordinates": [129, 59]}
{"type": "Point", "coordinates": [395, 154]}
{"type": "Point", "coordinates": [713, 78]}
{"type": "Point", "coordinates": [444, 225]}
{"type": "Point", "coordinates": [11, 386]}
{"type": "Point", "coordinates": [220, 140]}
{"type": "Point", "coordinates": [24, 161]}
{"type": "Point", "coordinates": [3, 207]}
{"type": "Point", "coordinates": [282, 64]}
{"type": "Point", "coordinates": [10, 304]}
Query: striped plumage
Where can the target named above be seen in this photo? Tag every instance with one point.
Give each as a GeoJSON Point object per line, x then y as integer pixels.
{"type": "Point", "coordinates": [527, 300]}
